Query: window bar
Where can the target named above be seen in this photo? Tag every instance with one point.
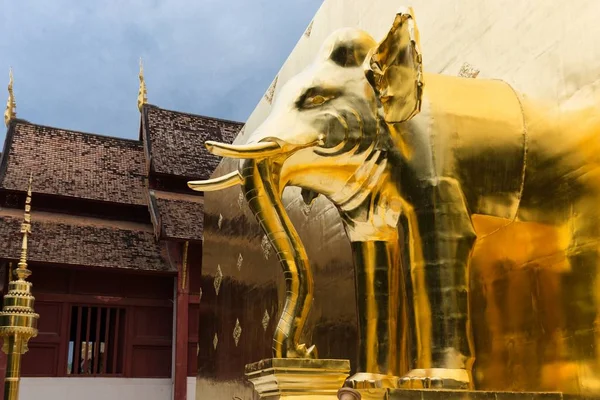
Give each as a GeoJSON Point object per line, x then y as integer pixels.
{"type": "Point", "coordinates": [106, 333]}
{"type": "Point", "coordinates": [116, 341]}
{"type": "Point", "coordinates": [87, 339]}
{"type": "Point", "coordinates": [77, 353]}
{"type": "Point", "coordinates": [97, 340]}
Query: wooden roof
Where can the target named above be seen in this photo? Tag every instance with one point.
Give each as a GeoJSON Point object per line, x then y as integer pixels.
{"type": "Point", "coordinates": [174, 141]}
{"type": "Point", "coordinates": [73, 164]}
{"type": "Point", "coordinates": [94, 190]}
{"type": "Point", "coordinates": [179, 216]}
{"type": "Point", "coordinates": [73, 240]}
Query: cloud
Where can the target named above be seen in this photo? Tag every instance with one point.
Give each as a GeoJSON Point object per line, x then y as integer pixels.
{"type": "Point", "coordinates": [75, 62]}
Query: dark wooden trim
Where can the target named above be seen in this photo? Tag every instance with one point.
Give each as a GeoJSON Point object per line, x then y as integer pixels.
{"type": "Point", "coordinates": [97, 340]}
{"type": "Point", "coordinates": [80, 299]}
{"type": "Point", "coordinates": [106, 339]}
{"type": "Point", "coordinates": [151, 342]}
{"type": "Point", "coordinates": [87, 341]}
{"type": "Point", "coordinates": [182, 320]}
{"type": "Point", "coordinates": [132, 271]}
{"type": "Point", "coordinates": [116, 343]}
{"type": "Point", "coordinates": [77, 351]}
{"type": "Point", "coordinates": [81, 207]}
{"type": "Point", "coordinates": [155, 215]}
{"type": "Point", "coordinates": [63, 348]}
{"type": "Point", "coordinates": [172, 183]}
{"type": "Point", "coordinates": [129, 340]}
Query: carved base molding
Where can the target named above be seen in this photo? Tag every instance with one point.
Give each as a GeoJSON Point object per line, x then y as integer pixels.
{"type": "Point", "coordinates": [298, 378]}
{"type": "Point", "coordinates": [432, 394]}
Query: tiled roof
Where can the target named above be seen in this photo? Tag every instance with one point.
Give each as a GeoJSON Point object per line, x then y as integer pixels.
{"type": "Point", "coordinates": [177, 216]}
{"type": "Point", "coordinates": [74, 164]}
{"type": "Point", "coordinates": [175, 141]}
{"type": "Point", "coordinates": [82, 241]}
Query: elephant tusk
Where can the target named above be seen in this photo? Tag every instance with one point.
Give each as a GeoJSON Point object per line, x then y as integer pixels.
{"type": "Point", "coordinates": [255, 150]}
{"type": "Point", "coordinates": [222, 182]}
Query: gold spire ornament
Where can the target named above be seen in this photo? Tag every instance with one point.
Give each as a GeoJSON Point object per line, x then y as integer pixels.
{"type": "Point", "coordinates": [142, 92]}
{"type": "Point", "coordinates": [11, 105]}
{"type": "Point", "coordinates": [18, 321]}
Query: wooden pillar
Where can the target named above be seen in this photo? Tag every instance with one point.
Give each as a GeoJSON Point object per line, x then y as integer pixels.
{"type": "Point", "coordinates": [181, 329]}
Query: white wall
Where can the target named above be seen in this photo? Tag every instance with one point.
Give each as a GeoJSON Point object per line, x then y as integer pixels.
{"type": "Point", "coordinates": [191, 387]}
{"type": "Point", "coordinates": [101, 389]}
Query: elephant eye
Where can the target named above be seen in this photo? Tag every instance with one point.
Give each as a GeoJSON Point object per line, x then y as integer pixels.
{"type": "Point", "coordinates": [315, 97]}
{"type": "Point", "coordinates": [316, 100]}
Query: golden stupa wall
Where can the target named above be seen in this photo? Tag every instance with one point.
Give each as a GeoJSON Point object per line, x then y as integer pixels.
{"type": "Point", "coordinates": [547, 49]}
{"type": "Point", "coordinates": [544, 48]}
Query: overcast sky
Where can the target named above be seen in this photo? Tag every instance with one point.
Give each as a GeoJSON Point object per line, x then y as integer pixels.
{"type": "Point", "coordinates": [76, 61]}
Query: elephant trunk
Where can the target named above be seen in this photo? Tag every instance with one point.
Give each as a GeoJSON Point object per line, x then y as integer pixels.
{"type": "Point", "coordinates": [260, 179]}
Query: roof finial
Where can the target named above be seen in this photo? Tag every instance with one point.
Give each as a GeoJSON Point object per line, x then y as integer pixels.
{"type": "Point", "coordinates": [22, 272]}
{"type": "Point", "coordinates": [142, 93]}
{"type": "Point", "coordinates": [11, 105]}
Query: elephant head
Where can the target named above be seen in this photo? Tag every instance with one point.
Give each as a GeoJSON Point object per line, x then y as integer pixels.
{"type": "Point", "coordinates": [328, 133]}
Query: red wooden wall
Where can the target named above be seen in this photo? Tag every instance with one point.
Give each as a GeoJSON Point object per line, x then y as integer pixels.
{"type": "Point", "coordinates": [146, 300]}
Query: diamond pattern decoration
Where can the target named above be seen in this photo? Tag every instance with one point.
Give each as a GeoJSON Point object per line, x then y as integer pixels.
{"type": "Point", "coordinates": [220, 223]}
{"type": "Point", "coordinates": [239, 262]}
{"type": "Point", "coordinates": [215, 341]}
{"type": "Point", "coordinates": [468, 71]}
{"type": "Point", "coordinates": [237, 332]}
{"type": "Point", "coordinates": [241, 200]}
{"type": "Point", "coordinates": [308, 29]}
{"type": "Point", "coordinates": [218, 279]}
{"type": "Point", "coordinates": [266, 246]}
{"type": "Point", "coordinates": [271, 92]}
{"type": "Point", "coordinates": [265, 320]}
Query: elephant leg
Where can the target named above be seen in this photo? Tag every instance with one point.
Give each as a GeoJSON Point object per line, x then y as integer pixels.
{"type": "Point", "coordinates": [380, 300]}
{"type": "Point", "coordinates": [441, 241]}
{"type": "Point", "coordinates": [576, 366]}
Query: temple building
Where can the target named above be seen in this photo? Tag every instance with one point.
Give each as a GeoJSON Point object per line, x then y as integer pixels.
{"type": "Point", "coordinates": [115, 251]}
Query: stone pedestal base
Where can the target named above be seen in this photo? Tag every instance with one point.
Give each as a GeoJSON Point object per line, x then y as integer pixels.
{"type": "Point", "coordinates": [298, 379]}
{"type": "Point", "coordinates": [432, 394]}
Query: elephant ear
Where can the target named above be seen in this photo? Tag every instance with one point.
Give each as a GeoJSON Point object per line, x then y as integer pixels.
{"type": "Point", "coordinates": [395, 69]}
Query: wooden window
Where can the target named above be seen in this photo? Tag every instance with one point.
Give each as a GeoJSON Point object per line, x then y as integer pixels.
{"type": "Point", "coordinates": [96, 340]}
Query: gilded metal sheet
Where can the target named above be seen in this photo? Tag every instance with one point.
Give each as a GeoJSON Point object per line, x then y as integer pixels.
{"type": "Point", "coordinates": [298, 379]}
{"type": "Point", "coordinates": [399, 394]}
{"type": "Point", "coordinates": [416, 394]}
{"type": "Point", "coordinates": [507, 294]}
{"type": "Point", "coordinates": [254, 294]}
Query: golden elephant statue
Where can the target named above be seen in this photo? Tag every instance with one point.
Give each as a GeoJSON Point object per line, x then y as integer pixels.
{"type": "Point", "coordinates": [434, 177]}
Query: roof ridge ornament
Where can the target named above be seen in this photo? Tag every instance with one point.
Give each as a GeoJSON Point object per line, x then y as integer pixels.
{"type": "Point", "coordinates": [11, 106]}
{"type": "Point", "coordinates": [142, 92]}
